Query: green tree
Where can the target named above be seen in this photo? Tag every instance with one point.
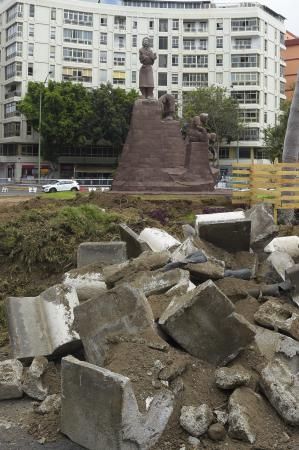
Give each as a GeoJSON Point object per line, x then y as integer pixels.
{"type": "Point", "coordinates": [223, 111]}
{"type": "Point", "coordinates": [274, 135]}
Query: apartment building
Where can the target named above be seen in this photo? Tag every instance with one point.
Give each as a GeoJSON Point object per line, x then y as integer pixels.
{"type": "Point", "coordinates": [291, 58]}
{"type": "Point", "coordinates": [198, 43]}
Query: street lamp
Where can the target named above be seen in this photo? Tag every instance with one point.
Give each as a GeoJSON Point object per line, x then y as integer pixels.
{"type": "Point", "coordinates": [40, 127]}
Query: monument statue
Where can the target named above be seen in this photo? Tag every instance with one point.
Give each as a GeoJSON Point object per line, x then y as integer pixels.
{"type": "Point", "coordinates": [167, 102]}
{"type": "Point", "coordinates": [197, 131]}
{"type": "Point", "coordinates": [146, 78]}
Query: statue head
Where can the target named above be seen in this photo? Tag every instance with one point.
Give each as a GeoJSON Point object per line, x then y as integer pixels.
{"type": "Point", "coordinates": [204, 118]}
{"type": "Point", "coordinates": [146, 42]}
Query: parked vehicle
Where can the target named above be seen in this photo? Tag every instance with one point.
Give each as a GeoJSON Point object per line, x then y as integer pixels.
{"type": "Point", "coordinates": [61, 185]}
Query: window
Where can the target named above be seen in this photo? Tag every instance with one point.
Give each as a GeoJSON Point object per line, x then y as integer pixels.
{"type": "Point", "coordinates": [77, 74]}
{"type": "Point", "coordinates": [31, 29]}
{"type": "Point", "coordinates": [282, 38]}
{"type": "Point", "coordinates": [265, 99]}
{"type": "Point", "coordinates": [52, 51]}
{"type": "Point", "coordinates": [224, 153]}
{"type": "Point", "coordinates": [31, 10]}
{"type": "Point", "coordinates": [245, 60]}
{"type": "Point", "coordinates": [10, 110]}
{"type": "Point", "coordinates": [15, 11]}
{"type": "Point", "coordinates": [77, 36]}
{"type": "Point", "coordinates": [174, 78]}
{"type": "Point", "coordinates": [12, 129]}
{"type": "Point", "coordinates": [265, 81]}
{"type": "Point", "coordinates": [133, 75]}
{"type": "Point", "coordinates": [52, 32]}
{"type": "Point", "coordinates": [15, 30]}
{"type": "Point", "coordinates": [195, 79]}
{"type": "Point", "coordinates": [162, 79]}
{"type": "Point", "coordinates": [53, 13]}
{"type": "Point", "coordinates": [251, 24]}
{"type": "Point", "coordinates": [265, 63]}
{"type": "Point", "coordinates": [239, 44]}
{"type": "Point", "coordinates": [219, 42]}
{"type": "Point", "coordinates": [198, 44]}
{"type": "Point", "coordinates": [175, 24]}
{"type": "Point", "coordinates": [175, 60]}
{"type": "Point", "coordinates": [244, 153]}
{"type": "Point", "coordinates": [120, 41]}
{"type": "Point", "coordinates": [134, 40]}
{"type": "Point", "coordinates": [13, 70]}
{"type": "Point", "coordinates": [119, 23]}
{"type": "Point", "coordinates": [28, 128]}
{"type": "Point", "coordinates": [163, 43]}
{"type": "Point", "coordinates": [52, 72]}
{"type": "Point", "coordinates": [245, 79]}
{"type": "Point", "coordinates": [163, 61]}
{"type": "Point", "coordinates": [13, 50]}
{"type": "Point", "coordinates": [77, 55]}
{"type": "Point", "coordinates": [175, 42]}
{"type": "Point", "coordinates": [30, 69]}
{"type": "Point", "coordinates": [30, 49]}
{"type": "Point", "coordinates": [151, 24]}
{"type": "Point", "coordinates": [163, 25]}
{"type": "Point", "coordinates": [219, 60]}
{"type": "Point", "coordinates": [282, 87]}
{"type": "Point", "coordinates": [265, 117]}
{"type": "Point", "coordinates": [219, 25]}
{"type": "Point", "coordinates": [219, 78]}
{"type": "Point", "coordinates": [281, 71]}
{"type": "Point", "coordinates": [265, 45]}
{"type": "Point", "coordinates": [78, 17]}
{"type": "Point", "coordinates": [103, 21]}
{"type": "Point", "coordinates": [135, 24]}
{"type": "Point", "coordinates": [249, 115]}
{"type": "Point", "coordinates": [103, 38]}
{"type": "Point", "coordinates": [195, 61]}
{"type": "Point", "coordinates": [249, 134]}
{"type": "Point", "coordinates": [119, 78]}
{"type": "Point", "coordinates": [119, 59]}
{"type": "Point", "coordinates": [103, 76]}
{"type": "Point", "coordinates": [175, 94]}
{"type": "Point", "coordinates": [103, 56]}
{"type": "Point", "coordinates": [246, 97]}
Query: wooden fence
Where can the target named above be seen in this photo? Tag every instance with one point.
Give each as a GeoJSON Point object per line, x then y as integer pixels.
{"type": "Point", "coordinates": [277, 184]}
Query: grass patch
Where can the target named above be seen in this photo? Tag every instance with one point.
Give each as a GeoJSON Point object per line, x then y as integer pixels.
{"type": "Point", "coordinates": [67, 195]}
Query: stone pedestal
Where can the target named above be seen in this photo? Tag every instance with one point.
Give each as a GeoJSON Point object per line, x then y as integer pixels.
{"type": "Point", "coordinates": [154, 157]}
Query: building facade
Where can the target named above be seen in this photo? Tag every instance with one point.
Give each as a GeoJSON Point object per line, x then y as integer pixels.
{"type": "Point", "coordinates": [291, 58]}
{"type": "Point", "coordinates": [198, 43]}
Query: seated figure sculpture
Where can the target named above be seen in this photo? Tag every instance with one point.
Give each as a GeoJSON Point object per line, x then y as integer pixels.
{"type": "Point", "coordinates": [167, 102]}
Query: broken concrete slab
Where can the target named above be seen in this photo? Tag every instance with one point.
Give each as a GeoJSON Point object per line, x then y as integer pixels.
{"type": "Point", "coordinates": [213, 269]}
{"type": "Point", "coordinates": [281, 387]}
{"type": "Point", "coordinates": [32, 383]}
{"type": "Point", "coordinates": [146, 261]}
{"type": "Point", "coordinates": [279, 317]}
{"type": "Point", "coordinates": [51, 404]}
{"type": "Point", "coordinates": [230, 231]}
{"type": "Point", "coordinates": [188, 231]}
{"type": "Point", "coordinates": [88, 281]}
{"type": "Point", "coordinates": [262, 222]}
{"type": "Point", "coordinates": [245, 407]}
{"type": "Point", "coordinates": [135, 245]}
{"type": "Point", "coordinates": [100, 412]}
{"type": "Point", "coordinates": [43, 325]}
{"type": "Point", "coordinates": [185, 249]}
{"type": "Point", "coordinates": [101, 253]}
{"type": "Point", "coordinates": [120, 311]}
{"type": "Point", "coordinates": [156, 282]}
{"type": "Point", "coordinates": [159, 240]}
{"type": "Point", "coordinates": [272, 344]}
{"type": "Point", "coordinates": [185, 285]}
{"type": "Point", "coordinates": [287, 244]}
{"type": "Point", "coordinates": [280, 262]}
{"type": "Point", "coordinates": [204, 323]}
{"type": "Point", "coordinates": [11, 372]}
{"type": "Point", "coordinates": [292, 274]}
{"type": "Point", "coordinates": [196, 420]}
{"type": "Point", "coordinates": [232, 377]}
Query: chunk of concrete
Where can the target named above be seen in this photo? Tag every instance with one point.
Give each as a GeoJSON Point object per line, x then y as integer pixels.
{"type": "Point", "coordinates": [51, 404]}
{"type": "Point", "coordinates": [188, 231]}
{"type": "Point", "coordinates": [185, 285]}
{"type": "Point", "coordinates": [262, 222]}
{"type": "Point", "coordinates": [32, 382]}
{"type": "Point", "coordinates": [120, 311]}
{"type": "Point", "coordinates": [11, 372]}
{"type": "Point", "coordinates": [292, 274]}
{"type": "Point", "coordinates": [213, 269]}
{"type": "Point", "coordinates": [287, 244]}
{"type": "Point", "coordinates": [88, 281]}
{"type": "Point", "coordinates": [280, 261]}
{"type": "Point", "coordinates": [196, 420]}
{"type": "Point", "coordinates": [245, 407]}
{"type": "Point", "coordinates": [146, 261]}
{"type": "Point", "coordinates": [135, 245]}
{"type": "Point", "coordinates": [232, 377]}
{"type": "Point", "coordinates": [204, 323]}
{"type": "Point", "coordinates": [43, 325]}
{"type": "Point", "coordinates": [158, 240]}
{"type": "Point", "coordinates": [156, 282]}
{"type": "Point", "coordinates": [101, 253]}
{"type": "Point", "coordinates": [279, 317]}
{"type": "Point", "coordinates": [230, 231]}
{"type": "Point", "coordinates": [281, 387]}
{"type": "Point", "coordinates": [272, 344]}
{"type": "Point", "coordinates": [100, 412]}
{"type": "Point", "coordinates": [182, 251]}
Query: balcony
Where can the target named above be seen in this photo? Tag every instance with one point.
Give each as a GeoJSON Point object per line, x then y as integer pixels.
{"type": "Point", "coordinates": [11, 94]}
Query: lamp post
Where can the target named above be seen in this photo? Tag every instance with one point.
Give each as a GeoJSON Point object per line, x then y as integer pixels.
{"type": "Point", "coordinates": [40, 128]}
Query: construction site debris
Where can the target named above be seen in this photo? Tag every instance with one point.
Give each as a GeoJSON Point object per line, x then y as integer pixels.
{"type": "Point", "coordinates": [101, 253]}
{"type": "Point", "coordinates": [159, 240]}
{"type": "Point", "coordinates": [231, 377]}
{"type": "Point", "coordinates": [135, 245]}
{"type": "Point", "coordinates": [156, 282]}
{"type": "Point", "coordinates": [280, 262]}
{"type": "Point", "coordinates": [196, 419]}
{"type": "Point", "coordinates": [88, 281]}
{"type": "Point", "coordinates": [32, 383]}
{"type": "Point", "coordinates": [287, 244]}
{"type": "Point", "coordinates": [292, 274]}
{"type": "Point", "coordinates": [217, 432]}
{"type": "Point", "coordinates": [262, 222]}
{"type": "Point", "coordinates": [11, 373]}
{"type": "Point", "coordinates": [52, 403]}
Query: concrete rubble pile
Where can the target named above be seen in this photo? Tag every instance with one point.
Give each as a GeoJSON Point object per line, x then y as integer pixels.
{"type": "Point", "coordinates": [167, 328]}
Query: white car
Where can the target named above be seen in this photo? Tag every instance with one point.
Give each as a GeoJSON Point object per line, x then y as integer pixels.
{"type": "Point", "coordinates": [61, 185]}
